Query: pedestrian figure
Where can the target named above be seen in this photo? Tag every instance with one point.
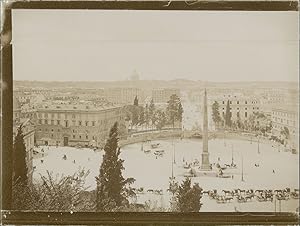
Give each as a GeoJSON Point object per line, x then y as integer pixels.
{"type": "Point", "coordinates": [74, 161]}
{"type": "Point", "coordinates": [42, 155]}
{"type": "Point", "coordinates": [88, 159]}
{"type": "Point", "coordinates": [232, 176]}
{"type": "Point", "coordinates": [42, 161]}
{"type": "Point", "coordinates": [273, 171]}
{"type": "Point", "coordinates": [218, 158]}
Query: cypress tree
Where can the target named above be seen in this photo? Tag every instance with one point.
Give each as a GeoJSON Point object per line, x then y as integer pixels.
{"type": "Point", "coordinates": [152, 112]}
{"type": "Point", "coordinates": [136, 101]}
{"type": "Point", "coordinates": [173, 109]}
{"type": "Point", "coordinates": [180, 111]}
{"type": "Point", "coordinates": [20, 169]}
{"type": "Point", "coordinates": [112, 190]}
{"type": "Point", "coordinates": [188, 198]}
{"type": "Point", "coordinates": [215, 113]}
{"type": "Point", "coordinates": [228, 115]}
{"type": "Point", "coordinates": [142, 119]}
{"type": "Point", "coordinates": [146, 115]}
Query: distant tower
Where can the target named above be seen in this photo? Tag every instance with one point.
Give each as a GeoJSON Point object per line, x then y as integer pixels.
{"type": "Point", "coordinates": [205, 155]}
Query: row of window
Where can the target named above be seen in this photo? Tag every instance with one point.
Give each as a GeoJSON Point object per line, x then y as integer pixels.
{"type": "Point", "coordinates": [66, 123]}
{"type": "Point", "coordinates": [46, 130]}
{"type": "Point", "coordinates": [237, 114]}
{"type": "Point", "coordinates": [56, 115]}
{"type": "Point", "coordinates": [79, 136]}
{"type": "Point", "coordinates": [66, 116]}
{"type": "Point", "coordinates": [288, 122]}
{"type": "Point", "coordinates": [254, 108]}
{"type": "Point", "coordinates": [82, 137]}
{"type": "Point", "coordinates": [58, 130]}
{"type": "Point", "coordinates": [291, 115]}
{"type": "Point", "coordinates": [238, 102]}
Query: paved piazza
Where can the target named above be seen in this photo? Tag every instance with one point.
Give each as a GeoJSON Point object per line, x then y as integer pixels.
{"type": "Point", "coordinates": [277, 169]}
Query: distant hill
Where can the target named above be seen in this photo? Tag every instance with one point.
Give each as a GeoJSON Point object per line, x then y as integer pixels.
{"type": "Point", "coordinates": [150, 84]}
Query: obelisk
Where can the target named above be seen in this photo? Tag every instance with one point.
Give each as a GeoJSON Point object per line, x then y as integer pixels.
{"type": "Point", "coordinates": [205, 155]}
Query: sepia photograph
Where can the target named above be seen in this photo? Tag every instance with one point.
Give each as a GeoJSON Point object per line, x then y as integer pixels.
{"type": "Point", "coordinates": [155, 111]}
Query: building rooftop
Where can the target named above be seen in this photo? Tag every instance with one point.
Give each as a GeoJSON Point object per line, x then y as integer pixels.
{"type": "Point", "coordinates": [286, 108]}
{"type": "Point", "coordinates": [236, 96]}
{"type": "Point", "coordinates": [78, 106]}
{"type": "Point", "coordinates": [16, 104]}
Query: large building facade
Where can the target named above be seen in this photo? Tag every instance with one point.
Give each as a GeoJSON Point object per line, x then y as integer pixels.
{"type": "Point", "coordinates": [77, 124]}
{"type": "Point", "coordinates": [286, 116]}
{"type": "Point", "coordinates": [163, 95]}
{"type": "Point", "coordinates": [123, 95]}
{"type": "Point", "coordinates": [240, 106]}
{"type": "Point", "coordinates": [272, 98]}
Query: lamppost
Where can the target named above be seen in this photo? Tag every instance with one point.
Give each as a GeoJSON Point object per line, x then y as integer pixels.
{"type": "Point", "coordinates": [224, 138]}
{"type": "Point", "coordinates": [174, 161]}
{"type": "Point", "coordinates": [172, 184]}
{"type": "Point", "coordinates": [242, 168]}
{"type": "Point", "coordinates": [232, 163]}
{"type": "Point", "coordinates": [258, 144]}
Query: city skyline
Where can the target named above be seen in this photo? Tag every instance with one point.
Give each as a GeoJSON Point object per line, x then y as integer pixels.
{"type": "Point", "coordinates": [232, 47]}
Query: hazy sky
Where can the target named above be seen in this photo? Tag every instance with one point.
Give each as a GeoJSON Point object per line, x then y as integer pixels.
{"type": "Point", "coordinates": [199, 45]}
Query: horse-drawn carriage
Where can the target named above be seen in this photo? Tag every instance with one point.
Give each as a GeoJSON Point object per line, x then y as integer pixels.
{"type": "Point", "coordinates": [220, 199]}
{"type": "Point", "coordinates": [282, 196]}
{"type": "Point", "coordinates": [265, 196]}
{"type": "Point", "coordinates": [212, 194]}
{"type": "Point", "coordinates": [241, 198]}
{"type": "Point", "coordinates": [295, 194]}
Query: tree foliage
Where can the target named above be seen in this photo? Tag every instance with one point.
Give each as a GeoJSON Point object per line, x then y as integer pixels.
{"type": "Point", "coordinates": [20, 170]}
{"type": "Point", "coordinates": [152, 112]}
{"type": "Point", "coordinates": [215, 113]}
{"type": "Point", "coordinates": [54, 193]}
{"type": "Point", "coordinates": [228, 115]}
{"type": "Point", "coordinates": [180, 112]}
{"type": "Point", "coordinates": [136, 101]}
{"type": "Point", "coordinates": [142, 119]}
{"type": "Point", "coordinates": [285, 132]}
{"type": "Point", "coordinates": [135, 114]}
{"type": "Point", "coordinates": [146, 115]}
{"type": "Point", "coordinates": [132, 113]}
{"type": "Point", "coordinates": [160, 119]}
{"type": "Point", "coordinates": [174, 109]}
{"type": "Point", "coordinates": [112, 188]}
{"type": "Point", "coordinates": [188, 198]}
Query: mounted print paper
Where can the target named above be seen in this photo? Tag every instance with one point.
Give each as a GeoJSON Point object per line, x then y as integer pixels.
{"type": "Point", "coordinates": [155, 111]}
